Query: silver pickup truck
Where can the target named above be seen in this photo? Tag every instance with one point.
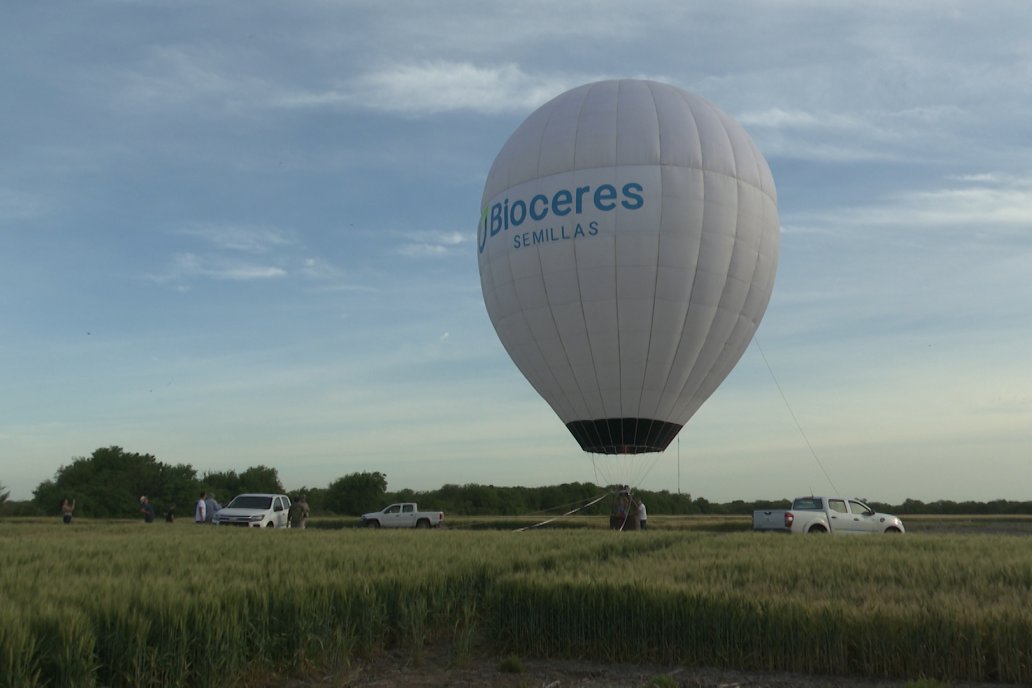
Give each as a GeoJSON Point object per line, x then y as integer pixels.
{"type": "Point", "coordinates": [827, 515]}
{"type": "Point", "coordinates": [402, 515]}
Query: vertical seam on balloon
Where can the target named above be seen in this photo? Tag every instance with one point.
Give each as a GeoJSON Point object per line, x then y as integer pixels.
{"type": "Point", "coordinates": [655, 280]}
{"type": "Point", "coordinates": [616, 275]}
{"type": "Point", "coordinates": [544, 286]}
{"type": "Point", "coordinates": [763, 241]}
{"type": "Point", "coordinates": [671, 412]}
{"type": "Point", "coordinates": [587, 334]}
{"type": "Point", "coordinates": [723, 291]}
{"type": "Point", "coordinates": [764, 237]}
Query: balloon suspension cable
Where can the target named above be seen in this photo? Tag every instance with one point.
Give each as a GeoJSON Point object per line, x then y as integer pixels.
{"type": "Point", "coordinates": [594, 501]}
{"type": "Point", "coordinates": [623, 474]}
{"type": "Point", "coordinates": [648, 469]}
{"type": "Point", "coordinates": [806, 439]}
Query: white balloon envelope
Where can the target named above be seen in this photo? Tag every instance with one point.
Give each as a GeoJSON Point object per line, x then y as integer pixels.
{"type": "Point", "coordinates": [628, 244]}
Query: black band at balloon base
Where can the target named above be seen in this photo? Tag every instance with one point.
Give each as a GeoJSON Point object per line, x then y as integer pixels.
{"type": "Point", "coordinates": [623, 435]}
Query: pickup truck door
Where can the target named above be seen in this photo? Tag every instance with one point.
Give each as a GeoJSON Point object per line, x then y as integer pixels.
{"type": "Point", "coordinates": [863, 517]}
{"type": "Point", "coordinates": [408, 516]}
{"type": "Point", "coordinates": [391, 515]}
{"type": "Point", "coordinates": [279, 512]}
{"type": "Point", "coordinates": [839, 518]}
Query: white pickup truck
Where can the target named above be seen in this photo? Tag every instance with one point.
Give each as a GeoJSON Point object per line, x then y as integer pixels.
{"type": "Point", "coordinates": [255, 511]}
{"type": "Point", "coordinates": [402, 515]}
{"type": "Point", "coordinates": [827, 515]}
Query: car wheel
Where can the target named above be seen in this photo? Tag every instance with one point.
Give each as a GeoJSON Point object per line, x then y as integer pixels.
{"type": "Point", "coordinates": [270, 524]}
{"type": "Point", "coordinates": [892, 529]}
{"type": "Point", "coordinates": [820, 530]}
{"type": "Point", "coordinates": [372, 524]}
{"type": "Point", "coordinates": [423, 523]}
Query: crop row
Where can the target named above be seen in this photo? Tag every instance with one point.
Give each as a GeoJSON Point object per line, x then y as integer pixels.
{"type": "Point", "coordinates": [134, 605]}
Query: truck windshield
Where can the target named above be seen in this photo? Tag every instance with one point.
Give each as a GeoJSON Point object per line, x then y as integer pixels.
{"type": "Point", "coordinates": [250, 502]}
{"type": "Point", "coordinates": [808, 503]}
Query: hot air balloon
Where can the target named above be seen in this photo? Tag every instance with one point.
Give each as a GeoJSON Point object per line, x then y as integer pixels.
{"type": "Point", "coordinates": [628, 243]}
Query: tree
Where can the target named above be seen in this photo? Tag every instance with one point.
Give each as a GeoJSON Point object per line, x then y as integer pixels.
{"type": "Point", "coordinates": [260, 479]}
{"type": "Point", "coordinates": [315, 496]}
{"type": "Point", "coordinates": [111, 481]}
{"type": "Point", "coordinates": [226, 485]}
{"type": "Point", "coordinates": [4, 494]}
{"type": "Point", "coordinates": [356, 493]}
{"type": "Point", "coordinates": [223, 484]}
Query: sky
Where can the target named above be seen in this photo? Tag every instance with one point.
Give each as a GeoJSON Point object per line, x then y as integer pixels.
{"type": "Point", "coordinates": [243, 233]}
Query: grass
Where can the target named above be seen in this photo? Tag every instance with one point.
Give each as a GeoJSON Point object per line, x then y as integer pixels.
{"type": "Point", "coordinates": [126, 604]}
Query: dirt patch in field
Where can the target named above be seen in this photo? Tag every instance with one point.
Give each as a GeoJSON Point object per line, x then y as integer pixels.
{"type": "Point", "coordinates": [434, 671]}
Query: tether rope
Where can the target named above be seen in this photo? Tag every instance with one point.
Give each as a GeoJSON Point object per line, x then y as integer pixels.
{"type": "Point", "coordinates": [792, 413]}
{"type": "Point", "coordinates": [568, 513]}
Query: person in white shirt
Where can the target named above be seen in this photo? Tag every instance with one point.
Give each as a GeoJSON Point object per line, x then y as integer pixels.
{"type": "Point", "coordinates": [200, 513]}
{"type": "Point", "coordinates": [642, 514]}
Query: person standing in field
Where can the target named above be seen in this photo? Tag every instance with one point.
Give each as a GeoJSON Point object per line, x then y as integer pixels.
{"type": "Point", "coordinates": [211, 507]}
{"type": "Point", "coordinates": [642, 514]}
{"type": "Point", "coordinates": [148, 510]}
{"type": "Point", "coordinates": [199, 511]}
{"type": "Point", "coordinates": [67, 508]}
{"type": "Point", "coordinates": [170, 514]}
{"type": "Point", "coordinates": [299, 511]}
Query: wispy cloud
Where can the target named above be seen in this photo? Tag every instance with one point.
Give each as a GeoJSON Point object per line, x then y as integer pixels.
{"type": "Point", "coordinates": [437, 87]}
{"type": "Point", "coordinates": [983, 202]}
{"type": "Point", "coordinates": [179, 76]}
{"type": "Point", "coordinates": [244, 238]}
{"type": "Point", "coordinates": [431, 244]}
{"type": "Point", "coordinates": [187, 266]}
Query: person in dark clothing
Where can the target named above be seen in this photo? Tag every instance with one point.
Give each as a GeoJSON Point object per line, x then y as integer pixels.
{"type": "Point", "coordinates": [147, 509]}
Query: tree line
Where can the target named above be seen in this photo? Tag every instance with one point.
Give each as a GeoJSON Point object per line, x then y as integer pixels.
{"type": "Point", "coordinates": [110, 482]}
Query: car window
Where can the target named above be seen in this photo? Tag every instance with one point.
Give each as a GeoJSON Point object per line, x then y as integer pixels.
{"type": "Point", "coordinates": [859, 507]}
{"type": "Point", "coordinates": [407, 508]}
{"type": "Point", "coordinates": [812, 503]}
{"type": "Point", "coordinates": [251, 502]}
{"type": "Point", "coordinates": [838, 505]}
{"type": "Point", "coordinates": [393, 509]}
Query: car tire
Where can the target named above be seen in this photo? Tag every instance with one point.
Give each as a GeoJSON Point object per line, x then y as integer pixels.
{"type": "Point", "coordinates": [372, 524]}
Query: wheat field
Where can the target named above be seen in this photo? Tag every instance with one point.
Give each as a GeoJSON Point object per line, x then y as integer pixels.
{"type": "Point", "coordinates": [128, 604]}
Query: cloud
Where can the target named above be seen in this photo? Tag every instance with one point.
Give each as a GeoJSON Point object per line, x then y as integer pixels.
{"type": "Point", "coordinates": [431, 244]}
{"type": "Point", "coordinates": [331, 278]}
{"type": "Point", "coordinates": [181, 76]}
{"type": "Point", "coordinates": [984, 202]}
{"type": "Point", "coordinates": [870, 134]}
{"type": "Point", "coordinates": [244, 238]}
{"type": "Point", "coordinates": [189, 265]}
{"type": "Point", "coordinates": [434, 87]}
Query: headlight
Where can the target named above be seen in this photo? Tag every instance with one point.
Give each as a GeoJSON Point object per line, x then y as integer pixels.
{"type": "Point", "coordinates": [256, 517]}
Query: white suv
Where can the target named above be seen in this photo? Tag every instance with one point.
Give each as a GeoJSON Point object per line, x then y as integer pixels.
{"type": "Point", "coordinates": [255, 511]}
